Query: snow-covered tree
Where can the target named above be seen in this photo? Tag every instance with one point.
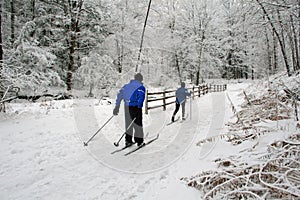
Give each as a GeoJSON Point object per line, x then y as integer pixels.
{"type": "Point", "coordinates": [282, 18]}
{"type": "Point", "coordinates": [195, 39]}
{"type": "Point", "coordinates": [195, 30]}
{"type": "Point", "coordinates": [28, 65]}
{"type": "Point", "coordinates": [97, 72]}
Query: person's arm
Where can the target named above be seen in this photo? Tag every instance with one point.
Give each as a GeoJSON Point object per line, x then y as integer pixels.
{"type": "Point", "coordinates": [120, 96]}
{"type": "Point", "coordinates": [187, 92]}
{"type": "Point", "coordinates": [141, 96]}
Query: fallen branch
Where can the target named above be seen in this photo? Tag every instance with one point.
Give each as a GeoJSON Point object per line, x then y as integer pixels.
{"type": "Point", "coordinates": [60, 96]}
{"type": "Point", "coordinates": [246, 97]}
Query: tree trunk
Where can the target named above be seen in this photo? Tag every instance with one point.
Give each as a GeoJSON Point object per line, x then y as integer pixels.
{"type": "Point", "coordinates": [281, 28]}
{"type": "Point", "coordinates": [275, 57]}
{"type": "Point", "coordinates": [33, 9]}
{"type": "Point", "coordinates": [12, 22]}
{"type": "Point", "coordinates": [199, 58]}
{"type": "Point", "coordinates": [293, 51]}
{"type": "Point", "coordinates": [284, 42]}
{"type": "Point", "coordinates": [73, 31]}
{"type": "Point", "coordinates": [120, 43]}
{"type": "Point", "coordinates": [71, 62]}
{"type": "Point", "coordinates": [269, 54]}
{"type": "Point", "coordinates": [91, 90]}
{"type": "Point", "coordinates": [298, 41]}
{"type": "Point", "coordinates": [229, 66]}
{"type": "Point", "coordinates": [119, 58]}
{"type": "Point", "coordinates": [71, 55]}
{"type": "Point", "coordinates": [1, 47]}
{"type": "Point", "coordinates": [197, 77]}
{"type": "Point", "coordinates": [122, 39]}
{"type": "Point", "coordinates": [78, 55]}
{"type": "Point", "coordinates": [295, 45]}
{"type": "Point", "coordinates": [177, 66]}
{"type": "Point", "coordinates": [192, 77]}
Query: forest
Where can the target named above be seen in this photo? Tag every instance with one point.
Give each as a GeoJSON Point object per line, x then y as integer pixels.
{"type": "Point", "coordinates": [76, 44]}
{"type": "Point", "coordinates": [242, 143]}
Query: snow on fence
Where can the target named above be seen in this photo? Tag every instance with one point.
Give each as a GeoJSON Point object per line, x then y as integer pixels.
{"type": "Point", "coordinates": [167, 97]}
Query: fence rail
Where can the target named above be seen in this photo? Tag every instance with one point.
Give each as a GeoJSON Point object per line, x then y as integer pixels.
{"type": "Point", "coordinates": [167, 97]}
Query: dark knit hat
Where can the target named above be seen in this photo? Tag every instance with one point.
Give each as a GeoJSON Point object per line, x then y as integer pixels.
{"type": "Point", "coordinates": [182, 84]}
{"type": "Point", "coordinates": [138, 77]}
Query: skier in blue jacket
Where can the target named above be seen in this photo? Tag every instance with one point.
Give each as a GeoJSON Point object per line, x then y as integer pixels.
{"type": "Point", "coordinates": [133, 95]}
{"type": "Point", "coordinates": [181, 94]}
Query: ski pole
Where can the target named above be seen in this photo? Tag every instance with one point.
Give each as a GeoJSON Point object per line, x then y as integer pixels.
{"type": "Point", "coordinates": [190, 108]}
{"type": "Point", "coordinates": [117, 143]}
{"type": "Point", "coordinates": [86, 143]}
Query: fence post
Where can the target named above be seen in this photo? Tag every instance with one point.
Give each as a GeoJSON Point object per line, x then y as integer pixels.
{"type": "Point", "coordinates": [199, 91]}
{"type": "Point", "coordinates": [193, 92]}
{"type": "Point", "coordinates": [164, 100]}
{"type": "Point", "coordinates": [146, 106]}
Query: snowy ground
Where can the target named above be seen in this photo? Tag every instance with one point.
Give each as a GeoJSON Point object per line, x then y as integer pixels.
{"type": "Point", "coordinates": [43, 156]}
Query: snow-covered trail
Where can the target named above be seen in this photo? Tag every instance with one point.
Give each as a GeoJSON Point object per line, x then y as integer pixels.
{"type": "Point", "coordinates": [42, 154]}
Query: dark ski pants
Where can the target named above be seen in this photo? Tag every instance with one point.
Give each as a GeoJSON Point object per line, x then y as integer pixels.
{"type": "Point", "coordinates": [136, 128]}
{"type": "Point", "coordinates": [177, 108]}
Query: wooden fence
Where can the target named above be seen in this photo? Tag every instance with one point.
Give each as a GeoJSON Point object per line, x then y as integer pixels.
{"type": "Point", "coordinates": [167, 97]}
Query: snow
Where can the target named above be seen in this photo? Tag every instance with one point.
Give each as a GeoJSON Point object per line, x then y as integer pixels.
{"type": "Point", "coordinates": [42, 155]}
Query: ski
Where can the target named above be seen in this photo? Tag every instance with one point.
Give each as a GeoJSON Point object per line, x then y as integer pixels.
{"type": "Point", "coordinates": [125, 147]}
{"type": "Point", "coordinates": [183, 120]}
{"type": "Point", "coordinates": [143, 145]}
{"type": "Point", "coordinates": [118, 150]}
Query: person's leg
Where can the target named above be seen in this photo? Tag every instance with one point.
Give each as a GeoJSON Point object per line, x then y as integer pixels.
{"type": "Point", "coordinates": [138, 126]}
{"type": "Point", "coordinates": [183, 109]}
{"type": "Point", "coordinates": [176, 110]}
{"type": "Point", "coordinates": [128, 120]}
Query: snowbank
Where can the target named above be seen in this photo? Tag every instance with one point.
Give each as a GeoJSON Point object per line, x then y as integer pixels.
{"type": "Point", "coordinates": [266, 137]}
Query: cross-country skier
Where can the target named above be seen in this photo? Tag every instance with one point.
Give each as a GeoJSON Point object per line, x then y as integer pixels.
{"type": "Point", "coordinates": [133, 94]}
{"type": "Point", "coordinates": [181, 94]}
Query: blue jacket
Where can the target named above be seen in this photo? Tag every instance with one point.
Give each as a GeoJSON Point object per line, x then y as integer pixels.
{"type": "Point", "coordinates": [181, 94]}
{"type": "Point", "coordinates": [133, 94]}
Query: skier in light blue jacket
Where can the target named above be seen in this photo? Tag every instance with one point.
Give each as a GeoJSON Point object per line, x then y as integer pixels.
{"type": "Point", "coordinates": [181, 94]}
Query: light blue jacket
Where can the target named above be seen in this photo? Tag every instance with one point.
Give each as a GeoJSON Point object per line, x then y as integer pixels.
{"type": "Point", "coordinates": [181, 94]}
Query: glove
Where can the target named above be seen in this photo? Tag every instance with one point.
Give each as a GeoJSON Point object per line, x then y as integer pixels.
{"type": "Point", "coordinates": [116, 110]}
